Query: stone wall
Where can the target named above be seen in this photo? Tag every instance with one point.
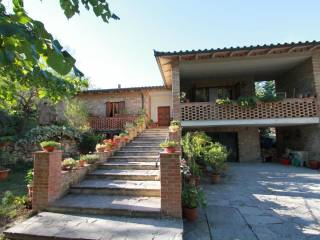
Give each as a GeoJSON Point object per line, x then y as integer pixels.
{"type": "Point", "coordinates": [299, 80]}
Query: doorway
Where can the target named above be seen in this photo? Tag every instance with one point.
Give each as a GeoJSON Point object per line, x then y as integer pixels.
{"type": "Point", "coordinates": [164, 116]}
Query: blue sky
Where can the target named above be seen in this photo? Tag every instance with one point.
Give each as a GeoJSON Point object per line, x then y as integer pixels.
{"type": "Point", "coordinates": [122, 52]}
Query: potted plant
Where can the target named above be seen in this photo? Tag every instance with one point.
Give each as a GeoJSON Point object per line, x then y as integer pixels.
{"type": "Point", "coordinates": [81, 161]}
{"type": "Point", "coordinates": [100, 147]}
{"type": "Point", "coordinates": [192, 198]}
{"type": "Point", "coordinates": [174, 126]}
{"type": "Point", "coordinates": [90, 158]}
{"type": "Point", "coordinates": [29, 181]}
{"type": "Point", "coordinates": [313, 164]}
{"type": "Point", "coordinates": [169, 146]}
{"type": "Point", "coordinates": [216, 157]}
{"type": "Point", "coordinates": [124, 137]}
{"type": "Point", "coordinates": [50, 146]}
{"type": "Point", "coordinates": [117, 139]}
{"type": "Point", "coordinates": [68, 164]}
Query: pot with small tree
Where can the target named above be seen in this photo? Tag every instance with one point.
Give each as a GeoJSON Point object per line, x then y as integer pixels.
{"type": "Point", "coordinates": [50, 146]}
{"type": "Point", "coordinates": [169, 146]}
{"type": "Point", "coordinates": [100, 147]}
{"type": "Point", "coordinates": [174, 126]}
{"type": "Point", "coordinates": [192, 198]}
{"type": "Point", "coordinates": [216, 157]}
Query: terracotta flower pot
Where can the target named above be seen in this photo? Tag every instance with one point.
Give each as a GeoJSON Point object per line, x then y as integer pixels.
{"type": "Point", "coordinates": [82, 163]}
{"type": "Point", "coordinates": [285, 161]}
{"type": "Point", "coordinates": [195, 180]}
{"type": "Point", "coordinates": [48, 148]}
{"type": "Point", "coordinates": [215, 178]}
{"type": "Point", "coordinates": [313, 164]}
{"type": "Point", "coordinates": [190, 214]}
{"type": "Point", "coordinates": [30, 190]}
{"type": "Point", "coordinates": [4, 174]}
{"type": "Point", "coordinates": [170, 149]}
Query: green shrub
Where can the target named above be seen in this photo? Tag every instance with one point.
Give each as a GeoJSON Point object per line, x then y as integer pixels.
{"type": "Point", "coordinates": [88, 142]}
{"type": "Point", "coordinates": [29, 176]}
{"type": "Point", "coordinates": [216, 157]}
{"type": "Point", "coordinates": [68, 164]}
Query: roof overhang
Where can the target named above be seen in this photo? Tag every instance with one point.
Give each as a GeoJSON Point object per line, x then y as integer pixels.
{"type": "Point", "coordinates": [166, 60]}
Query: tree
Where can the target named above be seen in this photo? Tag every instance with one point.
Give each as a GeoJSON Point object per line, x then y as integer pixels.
{"type": "Point", "coordinates": [32, 60]}
{"type": "Point", "coordinates": [266, 89]}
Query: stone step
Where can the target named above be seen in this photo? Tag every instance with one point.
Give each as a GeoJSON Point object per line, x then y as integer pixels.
{"type": "Point", "coordinates": [152, 139]}
{"type": "Point", "coordinates": [115, 174]}
{"type": "Point", "coordinates": [133, 158]}
{"type": "Point", "coordinates": [129, 165]}
{"type": "Point", "coordinates": [56, 226]}
{"type": "Point", "coordinates": [140, 148]}
{"type": "Point", "coordinates": [136, 153]}
{"type": "Point", "coordinates": [118, 187]}
{"type": "Point", "coordinates": [143, 144]}
{"type": "Point", "coordinates": [107, 205]}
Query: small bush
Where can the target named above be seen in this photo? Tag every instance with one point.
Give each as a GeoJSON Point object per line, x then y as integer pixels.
{"type": "Point", "coordinates": [88, 142]}
{"type": "Point", "coordinates": [90, 158]}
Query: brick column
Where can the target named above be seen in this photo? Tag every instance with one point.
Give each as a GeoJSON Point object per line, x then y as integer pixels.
{"type": "Point", "coordinates": [170, 184]}
{"type": "Point", "coordinates": [47, 178]}
{"type": "Point", "coordinates": [176, 113]}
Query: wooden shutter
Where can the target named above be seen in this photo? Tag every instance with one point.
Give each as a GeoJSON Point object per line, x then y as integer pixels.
{"type": "Point", "coordinates": [121, 107]}
{"type": "Point", "coordinates": [108, 109]}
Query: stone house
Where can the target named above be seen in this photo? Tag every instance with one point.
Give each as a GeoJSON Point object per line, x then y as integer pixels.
{"type": "Point", "coordinates": [194, 80]}
{"type": "Point", "coordinates": [111, 108]}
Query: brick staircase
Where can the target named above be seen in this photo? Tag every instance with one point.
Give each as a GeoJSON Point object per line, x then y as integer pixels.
{"type": "Point", "coordinates": [125, 185]}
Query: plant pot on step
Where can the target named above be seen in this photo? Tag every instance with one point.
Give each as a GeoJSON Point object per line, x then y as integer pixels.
{"type": "Point", "coordinates": [191, 214]}
{"type": "Point", "coordinates": [82, 163]}
{"type": "Point", "coordinates": [4, 173]}
{"type": "Point", "coordinates": [215, 178]}
{"type": "Point", "coordinates": [313, 164]}
{"type": "Point", "coordinates": [285, 161]}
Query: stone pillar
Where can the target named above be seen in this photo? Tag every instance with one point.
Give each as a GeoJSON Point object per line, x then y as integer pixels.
{"type": "Point", "coordinates": [170, 178]}
{"type": "Point", "coordinates": [47, 178]}
{"type": "Point", "coordinates": [176, 113]}
{"type": "Point", "coordinates": [249, 144]}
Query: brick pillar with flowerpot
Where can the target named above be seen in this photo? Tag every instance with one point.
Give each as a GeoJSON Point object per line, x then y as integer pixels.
{"type": "Point", "coordinates": [170, 178]}
{"type": "Point", "coordinates": [47, 178]}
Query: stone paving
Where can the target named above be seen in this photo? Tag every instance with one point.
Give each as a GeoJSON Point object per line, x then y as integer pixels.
{"type": "Point", "coordinates": [260, 202]}
{"type": "Point", "coordinates": [47, 225]}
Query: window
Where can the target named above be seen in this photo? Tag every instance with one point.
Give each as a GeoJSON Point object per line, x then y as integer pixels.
{"type": "Point", "coordinates": [212, 94]}
{"type": "Point", "coordinates": [114, 108]}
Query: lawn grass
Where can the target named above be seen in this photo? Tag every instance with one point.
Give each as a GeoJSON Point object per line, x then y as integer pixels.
{"type": "Point", "coordinates": [16, 180]}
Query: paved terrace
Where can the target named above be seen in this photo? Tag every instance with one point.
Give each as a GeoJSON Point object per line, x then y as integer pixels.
{"type": "Point", "coordinates": [261, 201]}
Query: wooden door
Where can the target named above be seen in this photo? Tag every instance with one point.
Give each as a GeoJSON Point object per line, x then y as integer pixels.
{"type": "Point", "coordinates": [164, 116]}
